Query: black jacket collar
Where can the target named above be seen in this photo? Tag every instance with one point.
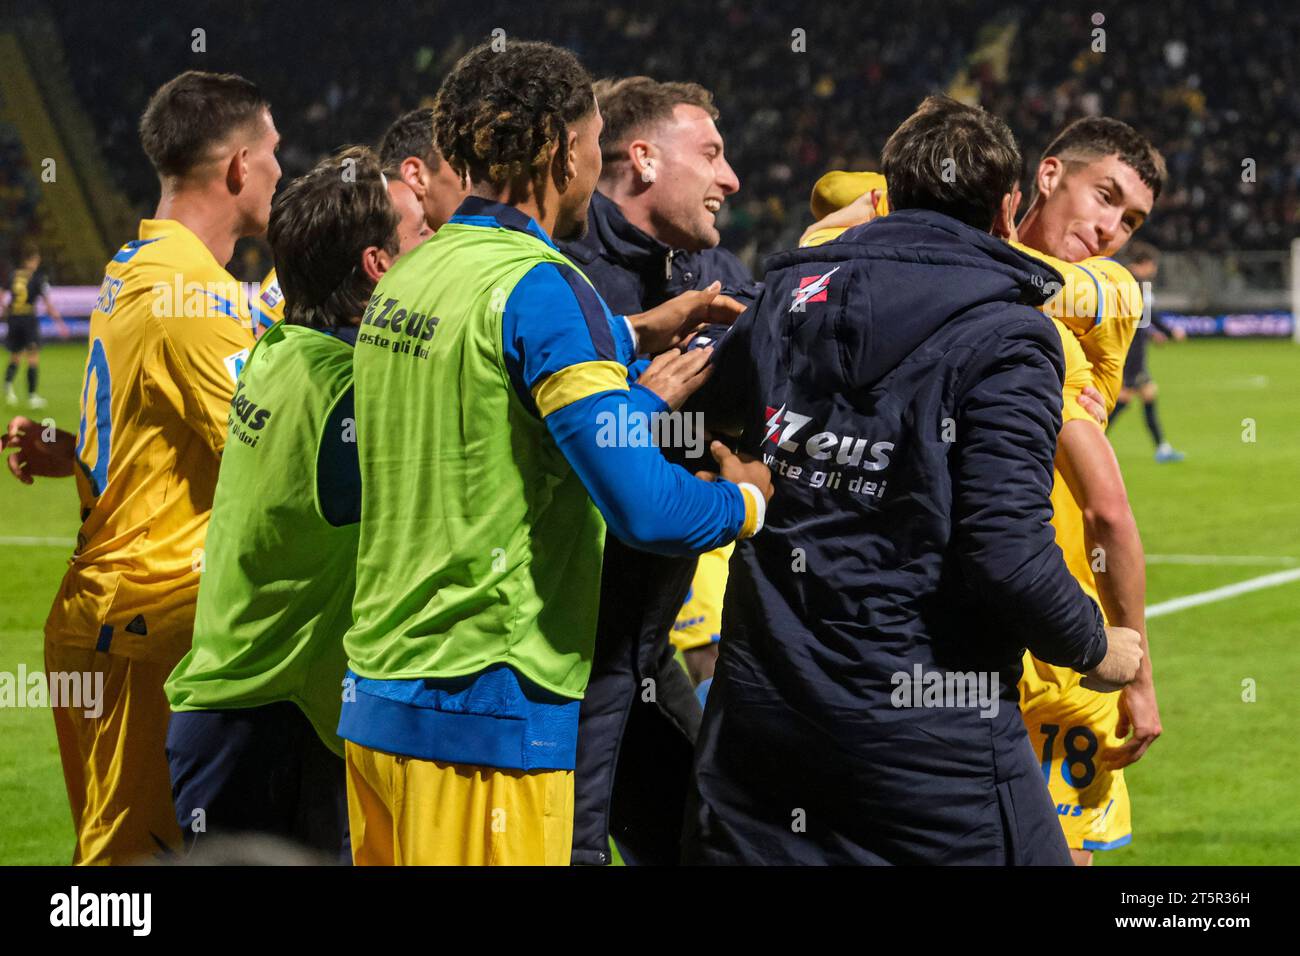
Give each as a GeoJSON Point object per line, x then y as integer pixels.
{"type": "Point", "coordinates": [611, 235]}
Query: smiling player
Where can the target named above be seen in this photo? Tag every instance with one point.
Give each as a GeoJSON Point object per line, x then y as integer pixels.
{"type": "Point", "coordinates": [1095, 185]}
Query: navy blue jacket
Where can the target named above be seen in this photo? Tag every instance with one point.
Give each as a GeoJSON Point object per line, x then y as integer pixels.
{"type": "Point", "coordinates": [907, 396]}
{"type": "Point", "coordinates": [639, 717]}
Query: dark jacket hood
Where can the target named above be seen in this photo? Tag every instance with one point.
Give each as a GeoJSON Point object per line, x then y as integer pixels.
{"type": "Point", "coordinates": [908, 274]}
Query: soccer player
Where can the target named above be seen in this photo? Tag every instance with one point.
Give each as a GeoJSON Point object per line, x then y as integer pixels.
{"type": "Point", "coordinates": [1144, 262]}
{"type": "Point", "coordinates": [168, 336]}
{"type": "Point", "coordinates": [910, 422]}
{"type": "Point", "coordinates": [29, 287]}
{"type": "Point", "coordinates": [485, 367]}
{"type": "Point", "coordinates": [406, 153]}
{"type": "Point", "coordinates": [651, 234]}
{"type": "Point", "coordinates": [408, 150]}
{"type": "Point", "coordinates": [1094, 186]}
{"type": "Point", "coordinates": [252, 743]}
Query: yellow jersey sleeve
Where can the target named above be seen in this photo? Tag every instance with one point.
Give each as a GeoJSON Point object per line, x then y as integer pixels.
{"type": "Point", "coordinates": [268, 309]}
{"type": "Point", "coordinates": [825, 234]}
{"type": "Point", "coordinates": [699, 622]}
{"type": "Point", "coordinates": [1107, 343]}
{"type": "Point", "coordinates": [1101, 303]}
{"type": "Point", "coordinates": [197, 360]}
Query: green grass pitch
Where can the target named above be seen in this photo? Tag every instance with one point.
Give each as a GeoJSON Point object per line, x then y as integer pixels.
{"type": "Point", "coordinates": [1214, 790]}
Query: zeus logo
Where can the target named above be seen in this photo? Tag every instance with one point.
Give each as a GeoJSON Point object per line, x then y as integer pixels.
{"type": "Point", "coordinates": [793, 422]}
{"type": "Point", "coordinates": [812, 289]}
{"type": "Point", "coordinates": [823, 445]}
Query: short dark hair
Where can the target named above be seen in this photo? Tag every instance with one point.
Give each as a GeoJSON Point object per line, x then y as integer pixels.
{"type": "Point", "coordinates": [410, 135]}
{"type": "Point", "coordinates": [952, 158]}
{"type": "Point", "coordinates": [497, 115]}
{"type": "Point", "coordinates": [28, 248]}
{"type": "Point", "coordinates": [320, 224]}
{"type": "Point", "coordinates": [633, 104]}
{"type": "Point", "coordinates": [1093, 137]}
{"type": "Point", "coordinates": [190, 113]}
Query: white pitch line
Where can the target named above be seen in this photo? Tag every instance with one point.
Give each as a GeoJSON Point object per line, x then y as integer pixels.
{"type": "Point", "coordinates": [1219, 559]}
{"type": "Point", "coordinates": [1155, 610]}
{"type": "Point", "coordinates": [1223, 593]}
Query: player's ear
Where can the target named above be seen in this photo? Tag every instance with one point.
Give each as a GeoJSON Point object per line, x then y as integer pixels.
{"type": "Point", "coordinates": [1049, 176]}
{"type": "Point", "coordinates": [1004, 225]}
{"type": "Point", "coordinates": [237, 171]}
{"type": "Point", "coordinates": [375, 262]}
{"type": "Point", "coordinates": [412, 170]}
{"type": "Point", "coordinates": [641, 153]}
{"type": "Point", "coordinates": [570, 171]}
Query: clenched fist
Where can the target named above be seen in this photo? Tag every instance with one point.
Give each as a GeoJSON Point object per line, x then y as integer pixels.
{"type": "Point", "coordinates": [1120, 665]}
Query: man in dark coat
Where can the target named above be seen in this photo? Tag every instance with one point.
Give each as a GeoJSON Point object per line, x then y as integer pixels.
{"type": "Point", "coordinates": [651, 235]}
{"type": "Point", "coordinates": [907, 396]}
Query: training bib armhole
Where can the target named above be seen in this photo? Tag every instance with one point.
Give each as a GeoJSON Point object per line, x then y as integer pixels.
{"type": "Point", "coordinates": [337, 478]}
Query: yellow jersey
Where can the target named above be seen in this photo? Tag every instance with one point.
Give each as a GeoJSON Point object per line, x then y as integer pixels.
{"type": "Point", "coordinates": [1097, 313]}
{"type": "Point", "coordinates": [169, 334]}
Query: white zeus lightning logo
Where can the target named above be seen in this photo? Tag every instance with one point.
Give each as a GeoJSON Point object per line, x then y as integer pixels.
{"type": "Point", "coordinates": [825, 445]}
{"type": "Point", "coordinates": [793, 421]}
{"type": "Point", "coordinates": [811, 289]}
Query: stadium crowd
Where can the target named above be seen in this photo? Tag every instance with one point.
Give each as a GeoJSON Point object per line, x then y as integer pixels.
{"type": "Point", "coordinates": [1171, 69]}
{"type": "Point", "coordinates": [19, 195]}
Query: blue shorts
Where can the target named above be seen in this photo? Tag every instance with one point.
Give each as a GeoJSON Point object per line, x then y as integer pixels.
{"type": "Point", "coordinates": [257, 770]}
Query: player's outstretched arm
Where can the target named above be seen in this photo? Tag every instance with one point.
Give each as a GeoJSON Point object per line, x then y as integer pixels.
{"type": "Point", "coordinates": [1087, 462]}
{"type": "Point", "coordinates": [647, 501]}
{"type": "Point", "coordinates": [37, 450]}
{"type": "Point", "coordinates": [563, 347]}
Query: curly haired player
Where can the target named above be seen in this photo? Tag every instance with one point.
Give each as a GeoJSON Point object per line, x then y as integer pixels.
{"type": "Point", "coordinates": [486, 361]}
